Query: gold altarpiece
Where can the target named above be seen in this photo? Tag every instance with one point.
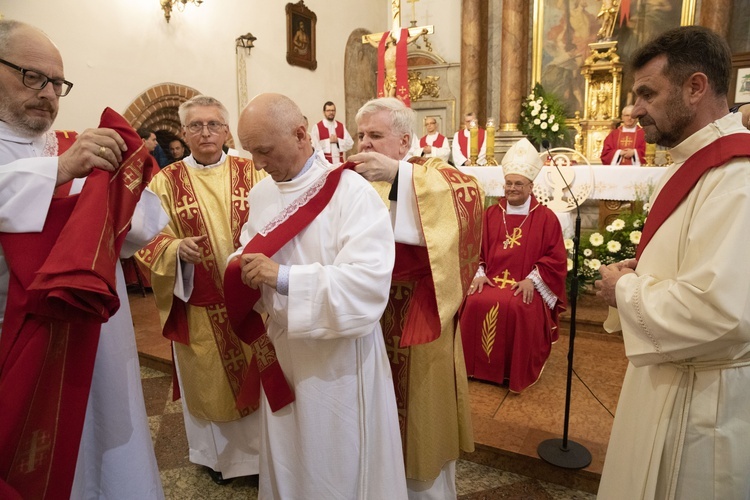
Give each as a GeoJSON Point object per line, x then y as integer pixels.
{"type": "Point", "coordinates": [602, 71]}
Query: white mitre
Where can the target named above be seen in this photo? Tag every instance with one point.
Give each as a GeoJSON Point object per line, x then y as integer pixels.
{"type": "Point", "coordinates": [522, 159]}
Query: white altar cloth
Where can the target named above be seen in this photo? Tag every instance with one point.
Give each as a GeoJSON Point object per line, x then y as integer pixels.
{"type": "Point", "coordinates": [622, 183]}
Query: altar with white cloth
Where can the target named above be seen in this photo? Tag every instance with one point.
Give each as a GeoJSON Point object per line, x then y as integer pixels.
{"type": "Point", "coordinates": [622, 183]}
{"type": "Point", "coordinates": [611, 184]}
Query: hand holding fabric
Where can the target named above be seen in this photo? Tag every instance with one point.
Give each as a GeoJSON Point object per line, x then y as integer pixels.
{"type": "Point", "coordinates": [257, 269]}
{"type": "Point", "coordinates": [95, 148]}
{"type": "Point", "coordinates": [375, 166]}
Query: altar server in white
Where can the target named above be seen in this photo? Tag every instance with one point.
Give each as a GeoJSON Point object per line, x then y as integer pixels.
{"type": "Point", "coordinates": [324, 293]}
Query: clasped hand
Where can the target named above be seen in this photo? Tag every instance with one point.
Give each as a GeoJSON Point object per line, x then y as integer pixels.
{"type": "Point", "coordinates": [606, 287]}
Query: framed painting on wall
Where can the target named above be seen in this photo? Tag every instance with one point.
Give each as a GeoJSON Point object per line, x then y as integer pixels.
{"type": "Point", "coordinates": [739, 86]}
{"type": "Point", "coordinates": [563, 29]}
{"type": "Point", "coordinates": [300, 35]}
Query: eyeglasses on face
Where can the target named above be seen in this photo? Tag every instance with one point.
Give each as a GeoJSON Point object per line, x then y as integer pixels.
{"type": "Point", "coordinates": [197, 127]}
{"type": "Point", "coordinates": [517, 185]}
{"type": "Point", "coordinates": [37, 81]}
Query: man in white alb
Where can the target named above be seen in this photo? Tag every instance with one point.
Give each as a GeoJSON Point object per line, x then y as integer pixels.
{"type": "Point", "coordinates": [331, 137]}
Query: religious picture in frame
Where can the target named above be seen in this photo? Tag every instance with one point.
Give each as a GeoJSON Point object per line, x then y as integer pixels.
{"type": "Point", "coordinates": [739, 87]}
{"type": "Point", "coordinates": [564, 29]}
{"type": "Point", "coordinates": [300, 35]}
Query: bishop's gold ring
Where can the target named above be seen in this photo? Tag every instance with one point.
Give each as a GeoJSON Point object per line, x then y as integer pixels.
{"type": "Point", "coordinates": [102, 151]}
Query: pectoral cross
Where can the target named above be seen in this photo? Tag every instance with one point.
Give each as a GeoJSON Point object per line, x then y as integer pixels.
{"type": "Point", "coordinates": [504, 280]}
{"type": "Point", "coordinates": [512, 239]}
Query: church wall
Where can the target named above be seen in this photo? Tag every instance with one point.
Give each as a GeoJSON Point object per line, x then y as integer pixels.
{"type": "Point", "coordinates": [115, 50]}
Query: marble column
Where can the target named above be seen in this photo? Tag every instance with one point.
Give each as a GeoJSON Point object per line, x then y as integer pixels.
{"type": "Point", "coordinates": [515, 47]}
{"type": "Point", "coordinates": [717, 15]}
{"type": "Point", "coordinates": [473, 60]}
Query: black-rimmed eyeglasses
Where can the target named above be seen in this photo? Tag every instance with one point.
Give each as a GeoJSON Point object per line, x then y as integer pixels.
{"type": "Point", "coordinates": [37, 81]}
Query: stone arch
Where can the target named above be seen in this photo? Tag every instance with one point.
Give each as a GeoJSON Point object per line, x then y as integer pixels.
{"type": "Point", "coordinates": [156, 109]}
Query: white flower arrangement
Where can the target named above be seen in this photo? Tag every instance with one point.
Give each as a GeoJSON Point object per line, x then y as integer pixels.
{"type": "Point", "coordinates": [617, 243]}
{"type": "Point", "coordinates": [543, 118]}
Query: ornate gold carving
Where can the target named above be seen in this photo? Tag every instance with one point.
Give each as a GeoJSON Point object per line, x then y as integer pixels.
{"type": "Point", "coordinates": [423, 86]}
{"type": "Point", "coordinates": [489, 330]}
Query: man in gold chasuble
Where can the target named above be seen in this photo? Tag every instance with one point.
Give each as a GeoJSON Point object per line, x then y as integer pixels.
{"type": "Point", "coordinates": [435, 212]}
{"type": "Point", "coordinates": [205, 195]}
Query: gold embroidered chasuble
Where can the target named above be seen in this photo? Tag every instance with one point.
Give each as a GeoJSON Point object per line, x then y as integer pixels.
{"type": "Point", "coordinates": [430, 379]}
{"type": "Point", "coordinates": [213, 202]}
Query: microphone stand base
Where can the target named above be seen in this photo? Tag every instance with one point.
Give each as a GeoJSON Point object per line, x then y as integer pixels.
{"type": "Point", "coordinates": [575, 456]}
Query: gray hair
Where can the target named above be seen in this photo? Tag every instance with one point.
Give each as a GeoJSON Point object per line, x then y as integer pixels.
{"type": "Point", "coordinates": [7, 29]}
{"type": "Point", "coordinates": [402, 117]}
{"type": "Point", "coordinates": [202, 100]}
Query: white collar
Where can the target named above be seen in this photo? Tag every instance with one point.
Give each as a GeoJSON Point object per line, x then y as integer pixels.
{"type": "Point", "coordinates": [190, 161]}
{"type": "Point", "coordinates": [519, 209]}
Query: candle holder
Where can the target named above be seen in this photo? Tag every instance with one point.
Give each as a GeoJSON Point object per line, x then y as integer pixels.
{"type": "Point", "coordinates": [650, 154]}
{"type": "Point", "coordinates": [490, 141]}
{"type": "Point", "coordinates": [473, 143]}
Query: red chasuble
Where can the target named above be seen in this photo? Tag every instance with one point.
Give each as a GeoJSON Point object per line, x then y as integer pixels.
{"type": "Point", "coordinates": [503, 338]}
{"type": "Point", "coordinates": [619, 140]}
{"type": "Point", "coordinates": [62, 287]}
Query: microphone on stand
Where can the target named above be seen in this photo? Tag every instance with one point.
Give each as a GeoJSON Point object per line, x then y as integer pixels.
{"type": "Point", "coordinates": [561, 452]}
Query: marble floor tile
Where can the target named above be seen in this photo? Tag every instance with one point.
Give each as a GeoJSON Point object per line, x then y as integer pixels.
{"type": "Point", "coordinates": [508, 427]}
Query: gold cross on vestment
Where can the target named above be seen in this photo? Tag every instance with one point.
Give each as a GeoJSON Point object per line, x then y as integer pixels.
{"type": "Point", "coordinates": [265, 356]}
{"type": "Point", "coordinates": [504, 280]}
{"type": "Point", "coordinates": [37, 451]}
{"type": "Point", "coordinates": [512, 239]}
{"type": "Point", "coordinates": [374, 38]}
{"type": "Point", "coordinates": [626, 141]}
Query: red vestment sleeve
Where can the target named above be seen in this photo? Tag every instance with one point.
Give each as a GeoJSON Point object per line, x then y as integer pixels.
{"type": "Point", "coordinates": [62, 287]}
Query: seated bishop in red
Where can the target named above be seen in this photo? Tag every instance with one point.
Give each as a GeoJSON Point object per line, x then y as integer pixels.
{"type": "Point", "coordinates": [510, 317]}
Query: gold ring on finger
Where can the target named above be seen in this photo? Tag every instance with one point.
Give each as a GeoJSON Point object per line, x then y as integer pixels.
{"type": "Point", "coordinates": [102, 151]}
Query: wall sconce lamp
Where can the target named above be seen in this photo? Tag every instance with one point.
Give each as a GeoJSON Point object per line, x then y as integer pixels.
{"type": "Point", "coordinates": [245, 41]}
{"type": "Point", "coordinates": [168, 5]}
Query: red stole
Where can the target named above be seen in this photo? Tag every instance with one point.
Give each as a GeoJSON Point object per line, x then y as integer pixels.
{"type": "Point", "coordinates": [324, 133]}
{"type": "Point", "coordinates": [240, 299]}
{"type": "Point", "coordinates": [463, 140]}
{"type": "Point", "coordinates": [437, 143]}
{"type": "Point", "coordinates": [682, 182]}
{"type": "Point", "coordinates": [62, 287]}
{"type": "Point", "coordinates": [402, 66]}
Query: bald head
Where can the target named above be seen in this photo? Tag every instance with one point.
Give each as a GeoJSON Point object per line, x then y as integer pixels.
{"type": "Point", "coordinates": [273, 129]}
{"type": "Point", "coordinates": [30, 112]}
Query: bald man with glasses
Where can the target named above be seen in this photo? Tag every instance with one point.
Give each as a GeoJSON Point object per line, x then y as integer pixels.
{"type": "Point", "coordinates": [434, 144]}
